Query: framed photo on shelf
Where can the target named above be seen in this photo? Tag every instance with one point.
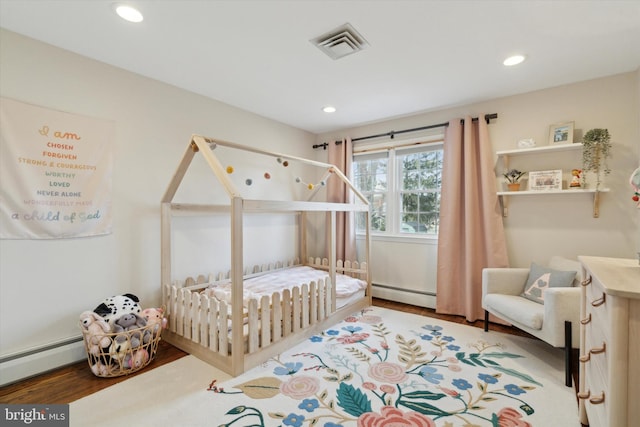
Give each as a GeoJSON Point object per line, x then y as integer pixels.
{"type": "Point", "coordinates": [545, 180]}
{"type": "Point", "coordinates": [561, 133]}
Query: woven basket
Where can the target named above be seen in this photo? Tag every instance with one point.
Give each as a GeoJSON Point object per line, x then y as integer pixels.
{"type": "Point", "coordinates": [122, 353]}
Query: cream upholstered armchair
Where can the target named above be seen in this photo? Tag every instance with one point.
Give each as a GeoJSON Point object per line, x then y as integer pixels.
{"type": "Point", "coordinates": [543, 301]}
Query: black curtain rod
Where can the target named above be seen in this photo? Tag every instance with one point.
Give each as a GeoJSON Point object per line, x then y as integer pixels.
{"type": "Point", "coordinates": [393, 133]}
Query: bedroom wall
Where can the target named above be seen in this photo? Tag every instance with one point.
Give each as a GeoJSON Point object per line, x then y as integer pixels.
{"type": "Point", "coordinates": [537, 226]}
{"type": "Point", "coordinates": [46, 284]}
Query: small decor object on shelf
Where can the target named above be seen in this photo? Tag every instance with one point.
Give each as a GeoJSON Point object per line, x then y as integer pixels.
{"type": "Point", "coordinates": [596, 149]}
{"type": "Point", "coordinates": [545, 180]}
{"type": "Point", "coordinates": [576, 181]}
{"type": "Point", "coordinates": [634, 181]}
{"type": "Point", "coordinates": [561, 133]}
{"type": "Point", "coordinates": [527, 143]}
{"type": "Point", "coordinates": [513, 177]}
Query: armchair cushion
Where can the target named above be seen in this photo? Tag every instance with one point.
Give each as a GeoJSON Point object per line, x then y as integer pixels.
{"type": "Point", "coordinates": [542, 278]}
{"type": "Point", "coordinates": [516, 309]}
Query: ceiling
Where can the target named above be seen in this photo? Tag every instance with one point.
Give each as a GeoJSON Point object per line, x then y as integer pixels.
{"type": "Point", "coordinates": [422, 55]}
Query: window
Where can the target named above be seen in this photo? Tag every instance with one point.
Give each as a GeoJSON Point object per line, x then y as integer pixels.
{"type": "Point", "coordinates": [403, 189]}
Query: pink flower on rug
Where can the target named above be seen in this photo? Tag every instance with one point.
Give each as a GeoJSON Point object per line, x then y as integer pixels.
{"type": "Point", "coordinates": [368, 386]}
{"type": "Point", "coordinates": [390, 416]}
{"type": "Point", "coordinates": [454, 368]}
{"type": "Point", "coordinates": [386, 388]}
{"type": "Point", "coordinates": [353, 338]}
{"type": "Point", "coordinates": [450, 392]}
{"type": "Point", "coordinates": [509, 417]}
{"type": "Point", "coordinates": [300, 387]}
{"type": "Point", "coordinates": [388, 372]}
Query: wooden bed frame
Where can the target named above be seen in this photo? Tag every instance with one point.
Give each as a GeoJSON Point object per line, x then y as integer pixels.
{"type": "Point", "coordinates": [199, 324]}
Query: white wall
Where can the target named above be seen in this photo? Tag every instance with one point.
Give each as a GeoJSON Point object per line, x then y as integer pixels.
{"type": "Point", "coordinates": [45, 285]}
{"type": "Point", "coordinates": [537, 226]}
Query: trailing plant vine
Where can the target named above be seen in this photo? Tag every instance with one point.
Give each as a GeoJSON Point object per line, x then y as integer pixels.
{"type": "Point", "coordinates": [596, 149]}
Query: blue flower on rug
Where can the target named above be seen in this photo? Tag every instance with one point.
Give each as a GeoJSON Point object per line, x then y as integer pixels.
{"type": "Point", "coordinates": [289, 368]}
{"type": "Point", "coordinates": [309, 405]}
{"type": "Point", "coordinates": [361, 373]}
{"type": "Point", "coordinates": [461, 384]}
{"type": "Point", "coordinates": [294, 420]}
{"type": "Point", "coordinates": [513, 389]}
{"type": "Point", "coordinates": [430, 374]}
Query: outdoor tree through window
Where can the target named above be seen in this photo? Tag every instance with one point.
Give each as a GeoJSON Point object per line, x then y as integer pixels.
{"type": "Point", "coordinates": [403, 189]}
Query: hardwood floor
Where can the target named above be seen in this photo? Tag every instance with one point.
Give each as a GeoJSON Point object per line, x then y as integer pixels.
{"type": "Point", "coordinates": [69, 383]}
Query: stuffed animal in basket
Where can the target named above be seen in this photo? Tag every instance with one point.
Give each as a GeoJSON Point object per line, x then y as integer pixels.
{"type": "Point", "coordinates": [154, 316]}
{"type": "Point", "coordinates": [96, 331]}
{"type": "Point", "coordinates": [99, 369]}
{"type": "Point", "coordinates": [128, 327]}
{"type": "Point", "coordinates": [113, 307]}
{"type": "Point", "coordinates": [137, 359]}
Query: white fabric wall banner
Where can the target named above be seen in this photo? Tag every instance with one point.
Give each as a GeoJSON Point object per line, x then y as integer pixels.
{"type": "Point", "coordinates": [55, 170]}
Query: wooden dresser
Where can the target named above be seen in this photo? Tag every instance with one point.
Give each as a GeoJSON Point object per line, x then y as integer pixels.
{"type": "Point", "coordinates": [610, 342]}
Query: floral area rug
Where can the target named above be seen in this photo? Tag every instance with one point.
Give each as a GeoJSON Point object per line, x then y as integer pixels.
{"type": "Point", "coordinates": [384, 368]}
{"type": "Point", "coordinates": [377, 368]}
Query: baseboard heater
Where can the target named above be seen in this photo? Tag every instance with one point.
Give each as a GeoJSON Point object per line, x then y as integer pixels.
{"type": "Point", "coordinates": [37, 360]}
{"type": "Point", "coordinates": [407, 296]}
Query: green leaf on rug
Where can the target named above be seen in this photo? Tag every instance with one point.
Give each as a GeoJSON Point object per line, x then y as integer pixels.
{"type": "Point", "coordinates": [261, 388]}
{"type": "Point", "coordinates": [424, 395]}
{"type": "Point", "coordinates": [527, 409]}
{"type": "Point", "coordinates": [423, 408]}
{"type": "Point", "coordinates": [237, 410]}
{"type": "Point", "coordinates": [352, 400]}
{"type": "Point", "coordinates": [503, 355]}
{"type": "Point", "coordinates": [517, 374]}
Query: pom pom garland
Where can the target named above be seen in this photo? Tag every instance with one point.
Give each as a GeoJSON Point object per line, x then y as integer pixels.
{"type": "Point", "coordinates": [309, 185]}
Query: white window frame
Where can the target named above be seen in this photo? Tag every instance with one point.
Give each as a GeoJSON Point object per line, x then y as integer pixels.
{"type": "Point", "coordinates": [394, 201]}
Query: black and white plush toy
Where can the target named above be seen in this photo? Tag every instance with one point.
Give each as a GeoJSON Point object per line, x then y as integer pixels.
{"type": "Point", "coordinates": [112, 308]}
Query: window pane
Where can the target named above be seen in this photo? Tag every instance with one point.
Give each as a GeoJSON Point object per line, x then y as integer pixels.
{"type": "Point", "coordinates": [370, 177]}
{"type": "Point", "coordinates": [421, 173]}
{"type": "Point", "coordinates": [409, 202]}
{"type": "Point", "coordinates": [429, 202]}
{"type": "Point", "coordinates": [378, 212]}
{"type": "Point", "coordinates": [414, 189]}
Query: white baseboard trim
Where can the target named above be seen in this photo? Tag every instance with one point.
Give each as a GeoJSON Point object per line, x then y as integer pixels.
{"type": "Point", "coordinates": [34, 362]}
{"type": "Point", "coordinates": [404, 296]}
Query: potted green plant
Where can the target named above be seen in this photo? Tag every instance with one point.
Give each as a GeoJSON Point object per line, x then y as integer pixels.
{"type": "Point", "coordinates": [596, 149]}
{"type": "Point", "coordinates": [513, 179]}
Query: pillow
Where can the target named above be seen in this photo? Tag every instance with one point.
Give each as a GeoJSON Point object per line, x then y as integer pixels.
{"type": "Point", "coordinates": [540, 278]}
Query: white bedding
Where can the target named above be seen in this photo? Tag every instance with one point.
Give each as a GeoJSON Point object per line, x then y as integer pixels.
{"type": "Point", "coordinates": [279, 280]}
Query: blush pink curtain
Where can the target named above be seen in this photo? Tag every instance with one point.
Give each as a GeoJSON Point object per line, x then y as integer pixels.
{"type": "Point", "coordinates": [341, 155]}
{"type": "Point", "coordinates": [471, 235]}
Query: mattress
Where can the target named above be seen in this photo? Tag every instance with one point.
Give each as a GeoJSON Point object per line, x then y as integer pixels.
{"type": "Point", "coordinates": [278, 280]}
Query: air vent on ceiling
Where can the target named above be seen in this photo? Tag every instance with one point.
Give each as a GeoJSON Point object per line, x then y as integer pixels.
{"type": "Point", "coordinates": [341, 42]}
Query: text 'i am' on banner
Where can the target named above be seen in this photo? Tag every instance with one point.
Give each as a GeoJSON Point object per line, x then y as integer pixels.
{"type": "Point", "coordinates": [56, 173]}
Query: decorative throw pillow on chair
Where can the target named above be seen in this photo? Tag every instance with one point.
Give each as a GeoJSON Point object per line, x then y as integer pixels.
{"type": "Point", "coordinates": [541, 278]}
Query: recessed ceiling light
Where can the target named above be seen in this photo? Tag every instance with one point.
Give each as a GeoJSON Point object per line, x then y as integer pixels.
{"type": "Point", "coordinates": [513, 60]}
{"type": "Point", "coordinates": [128, 13]}
{"type": "Point", "coordinates": [329, 109]}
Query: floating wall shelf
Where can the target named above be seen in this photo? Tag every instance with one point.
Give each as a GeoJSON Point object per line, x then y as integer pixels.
{"type": "Point", "coordinates": [596, 197]}
{"type": "Point", "coordinates": [547, 149]}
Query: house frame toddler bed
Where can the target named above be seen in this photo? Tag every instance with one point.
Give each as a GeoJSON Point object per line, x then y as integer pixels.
{"type": "Point", "coordinates": [235, 332]}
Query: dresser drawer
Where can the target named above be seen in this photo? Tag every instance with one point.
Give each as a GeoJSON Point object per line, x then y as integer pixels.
{"type": "Point", "coordinates": [610, 311]}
